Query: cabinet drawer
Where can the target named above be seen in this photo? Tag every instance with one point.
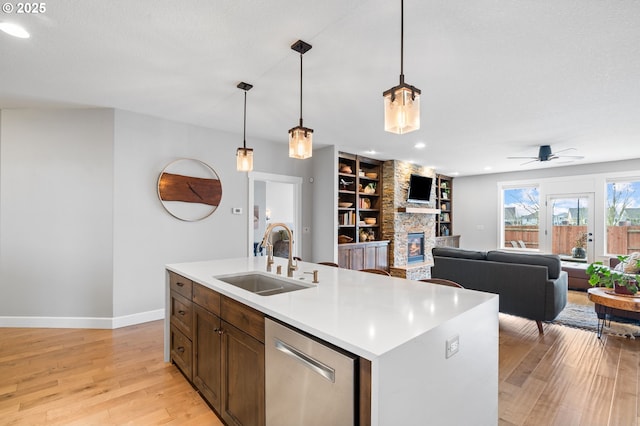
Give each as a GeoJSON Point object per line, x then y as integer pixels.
{"type": "Point", "coordinates": [180, 284]}
{"type": "Point", "coordinates": [207, 298]}
{"type": "Point", "coordinates": [181, 352]}
{"type": "Point", "coordinates": [245, 318]}
{"type": "Point", "coordinates": [182, 313]}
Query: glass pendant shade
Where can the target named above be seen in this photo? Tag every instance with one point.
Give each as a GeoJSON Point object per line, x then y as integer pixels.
{"type": "Point", "coordinates": [244, 159]}
{"type": "Point", "coordinates": [300, 142]}
{"type": "Point", "coordinates": [402, 109]}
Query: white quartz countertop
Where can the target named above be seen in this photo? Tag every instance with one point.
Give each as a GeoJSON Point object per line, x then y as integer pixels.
{"type": "Point", "coordinates": [364, 313]}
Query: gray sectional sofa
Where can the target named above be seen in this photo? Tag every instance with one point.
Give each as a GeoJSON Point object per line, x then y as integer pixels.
{"type": "Point", "coordinates": [532, 286]}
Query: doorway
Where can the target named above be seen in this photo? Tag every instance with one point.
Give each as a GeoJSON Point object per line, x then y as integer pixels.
{"type": "Point", "coordinates": [273, 198]}
{"type": "Point", "coordinates": [569, 231]}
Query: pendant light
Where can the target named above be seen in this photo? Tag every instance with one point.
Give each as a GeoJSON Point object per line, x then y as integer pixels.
{"type": "Point", "coordinates": [244, 155]}
{"type": "Point", "coordinates": [300, 137]}
{"type": "Point", "coordinates": [402, 102]}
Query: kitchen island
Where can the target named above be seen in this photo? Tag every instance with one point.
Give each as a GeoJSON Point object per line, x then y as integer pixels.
{"type": "Point", "coordinates": [433, 350]}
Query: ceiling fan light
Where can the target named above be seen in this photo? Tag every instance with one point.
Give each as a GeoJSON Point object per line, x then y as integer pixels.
{"type": "Point", "coordinates": [244, 159]}
{"type": "Point", "coordinates": [300, 142]}
{"type": "Point", "coordinates": [402, 109]}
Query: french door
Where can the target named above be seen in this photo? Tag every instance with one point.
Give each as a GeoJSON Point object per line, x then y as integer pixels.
{"type": "Point", "coordinates": [569, 230]}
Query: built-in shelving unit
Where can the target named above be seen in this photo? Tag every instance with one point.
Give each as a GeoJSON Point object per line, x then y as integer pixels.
{"type": "Point", "coordinates": [359, 214]}
{"type": "Point", "coordinates": [444, 219]}
{"type": "Point", "coordinates": [359, 198]}
{"type": "Point", "coordinates": [444, 192]}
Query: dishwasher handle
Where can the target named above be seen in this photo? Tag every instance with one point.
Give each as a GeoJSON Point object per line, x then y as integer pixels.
{"type": "Point", "coordinates": [313, 364]}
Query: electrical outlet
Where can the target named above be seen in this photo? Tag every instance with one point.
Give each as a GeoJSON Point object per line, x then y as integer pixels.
{"type": "Point", "coordinates": [452, 346]}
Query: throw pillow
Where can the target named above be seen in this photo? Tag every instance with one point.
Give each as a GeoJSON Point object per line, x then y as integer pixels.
{"type": "Point", "coordinates": [630, 266]}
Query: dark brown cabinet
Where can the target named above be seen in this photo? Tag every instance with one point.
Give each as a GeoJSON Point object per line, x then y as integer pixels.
{"type": "Point", "coordinates": [181, 351]}
{"type": "Point", "coordinates": [218, 343]}
{"type": "Point", "coordinates": [207, 361]}
{"type": "Point", "coordinates": [181, 323]}
{"type": "Point", "coordinates": [243, 367]}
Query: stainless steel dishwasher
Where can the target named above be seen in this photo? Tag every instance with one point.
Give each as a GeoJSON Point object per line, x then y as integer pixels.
{"type": "Point", "coordinates": [307, 382]}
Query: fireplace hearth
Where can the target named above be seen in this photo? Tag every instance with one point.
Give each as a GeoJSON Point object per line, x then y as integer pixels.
{"type": "Point", "coordinates": [415, 247]}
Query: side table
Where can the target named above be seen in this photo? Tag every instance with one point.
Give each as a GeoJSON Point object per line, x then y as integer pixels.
{"type": "Point", "coordinates": [609, 300]}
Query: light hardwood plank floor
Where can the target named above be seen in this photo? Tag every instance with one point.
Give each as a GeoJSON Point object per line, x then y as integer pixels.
{"type": "Point", "coordinates": [566, 376]}
{"type": "Point", "coordinates": [94, 377]}
{"type": "Point", "coordinates": [116, 377]}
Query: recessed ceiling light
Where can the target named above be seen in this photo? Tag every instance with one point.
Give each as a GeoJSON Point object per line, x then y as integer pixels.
{"type": "Point", "coordinates": [371, 152]}
{"type": "Point", "coordinates": [420, 145]}
{"type": "Point", "coordinates": [488, 168]}
{"type": "Point", "coordinates": [14, 30]}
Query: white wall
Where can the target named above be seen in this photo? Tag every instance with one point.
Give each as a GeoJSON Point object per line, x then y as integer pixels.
{"type": "Point", "coordinates": [83, 236]}
{"type": "Point", "coordinates": [279, 199]}
{"type": "Point", "coordinates": [260, 200]}
{"type": "Point", "coordinates": [56, 189]}
{"type": "Point", "coordinates": [476, 203]}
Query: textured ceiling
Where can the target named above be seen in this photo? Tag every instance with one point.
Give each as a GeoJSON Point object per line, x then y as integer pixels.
{"type": "Point", "coordinates": [498, 78]}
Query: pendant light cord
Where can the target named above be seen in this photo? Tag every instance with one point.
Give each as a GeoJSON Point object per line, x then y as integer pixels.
{"type": "Point", "coordinates": [401, 41]}
{"type": "Point", "coordinates": [301, 90]}
{"type": "Point", "coordinates": [244, 130]}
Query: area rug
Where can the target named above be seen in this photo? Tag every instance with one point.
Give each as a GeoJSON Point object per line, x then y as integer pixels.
{"type": "Point", "coordinates": [584, 317]}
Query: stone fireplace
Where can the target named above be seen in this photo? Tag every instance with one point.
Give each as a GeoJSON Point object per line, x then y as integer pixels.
{"type": "Point", "coordinates": [400, 220]}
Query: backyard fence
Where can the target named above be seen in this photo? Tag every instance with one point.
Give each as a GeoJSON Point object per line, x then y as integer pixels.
{"type": "Point", "coordinates": [620, 239]}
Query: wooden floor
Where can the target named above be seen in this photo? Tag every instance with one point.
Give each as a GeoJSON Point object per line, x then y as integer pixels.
{"type": "Point", "coordinates": [94, 377]}
{"type": "Point", "coordinates": [115, 377]}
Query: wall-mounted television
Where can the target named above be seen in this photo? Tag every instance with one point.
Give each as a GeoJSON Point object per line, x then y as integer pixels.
{"type": "Point", "coordinates": [419, 189]}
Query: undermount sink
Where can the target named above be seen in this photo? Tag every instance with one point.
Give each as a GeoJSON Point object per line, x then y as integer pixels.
{"type": "Point", "coordinates": [260, 284]}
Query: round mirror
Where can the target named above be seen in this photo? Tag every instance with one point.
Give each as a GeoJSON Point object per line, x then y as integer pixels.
{"type": "Point", "coordinates": [189, 189]}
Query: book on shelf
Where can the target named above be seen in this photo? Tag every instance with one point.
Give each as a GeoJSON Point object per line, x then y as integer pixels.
{"type": "Point", "coordinates": [347, 218]}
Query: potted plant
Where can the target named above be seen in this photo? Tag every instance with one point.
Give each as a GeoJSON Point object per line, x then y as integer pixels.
{"type": "Point", "coordinates": [579, 251]}
{"type": "Point", "coordinates": [621, 282]}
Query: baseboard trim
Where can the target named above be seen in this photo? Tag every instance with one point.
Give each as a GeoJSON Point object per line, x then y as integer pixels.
{"type": "Point", "coordinates": [81, 322]}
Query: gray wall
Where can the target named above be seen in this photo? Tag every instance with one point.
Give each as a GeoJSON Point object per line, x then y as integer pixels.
{"type": "Point", "coordinates": [476, 201]}
{"type": "Point", "coordinates": [83, 236]}
{"type": "Point", "coordinates": [325, 202]}
{"type": "Point", "coordinates": [56, 227]}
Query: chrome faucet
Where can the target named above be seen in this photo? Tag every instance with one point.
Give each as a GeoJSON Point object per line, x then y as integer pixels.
{"type": "Point", "coordinates": [292, 265]}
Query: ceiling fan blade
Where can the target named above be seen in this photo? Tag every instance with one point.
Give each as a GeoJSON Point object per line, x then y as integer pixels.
{"type": "Point", "coordinates": [564, 150]}
{"type": "Point", "coordinates": [522, 158]}
{"type": "Point", "coordinates": [532, 161]}
{"type": "Point", "coordinates": [576, 157]}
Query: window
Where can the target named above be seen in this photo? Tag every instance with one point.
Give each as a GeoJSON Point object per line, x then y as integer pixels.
{"type": "Point", "coordinates": [622, 215]}
{"type": "Point", "coordinates": [521, 209]}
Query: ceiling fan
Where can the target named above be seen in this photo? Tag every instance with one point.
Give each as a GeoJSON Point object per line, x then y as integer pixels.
{"type": "Point", "coordinates": [545, 154]}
